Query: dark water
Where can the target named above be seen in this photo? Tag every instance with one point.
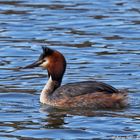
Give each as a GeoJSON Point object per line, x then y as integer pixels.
{"type": "Point", "coordinates": [100, 39]}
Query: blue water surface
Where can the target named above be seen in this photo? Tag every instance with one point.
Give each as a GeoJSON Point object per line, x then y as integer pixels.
{"type": "Point", "coordinates": [100, 40]}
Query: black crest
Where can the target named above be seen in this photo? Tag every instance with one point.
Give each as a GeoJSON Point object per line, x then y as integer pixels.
{"type": "Point", "coordinates": [46, 52]}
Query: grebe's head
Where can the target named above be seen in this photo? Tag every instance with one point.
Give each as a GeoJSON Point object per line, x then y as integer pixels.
{"type": "Point", "coordinates": [53, 61]}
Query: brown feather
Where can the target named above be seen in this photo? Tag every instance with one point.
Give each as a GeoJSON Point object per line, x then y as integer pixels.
{"type": "Point", "coordinates": [100, 100]}
{"type": "Point", "coordinates": [56, 66]}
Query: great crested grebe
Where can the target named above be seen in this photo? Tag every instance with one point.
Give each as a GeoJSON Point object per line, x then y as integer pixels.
{"type": "Point", "coordinates": [86, 94]}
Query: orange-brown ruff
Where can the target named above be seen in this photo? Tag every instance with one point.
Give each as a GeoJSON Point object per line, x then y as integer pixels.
{"type": "Point", "coordinates": [86, 94]}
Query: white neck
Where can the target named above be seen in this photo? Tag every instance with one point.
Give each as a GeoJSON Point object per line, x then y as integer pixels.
{"type": "Point", "coordinates": [47, 90]}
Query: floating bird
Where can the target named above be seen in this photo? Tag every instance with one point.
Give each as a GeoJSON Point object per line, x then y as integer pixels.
{"type": "Point", "coordinates": [86, 94]}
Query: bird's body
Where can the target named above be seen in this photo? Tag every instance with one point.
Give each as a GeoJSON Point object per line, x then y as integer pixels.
{"type": "Point", "coordinates": [86, 94]}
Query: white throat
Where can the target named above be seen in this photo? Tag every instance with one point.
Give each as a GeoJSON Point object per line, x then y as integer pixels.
{"type": "Point", "coordinates": [47, 90]}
